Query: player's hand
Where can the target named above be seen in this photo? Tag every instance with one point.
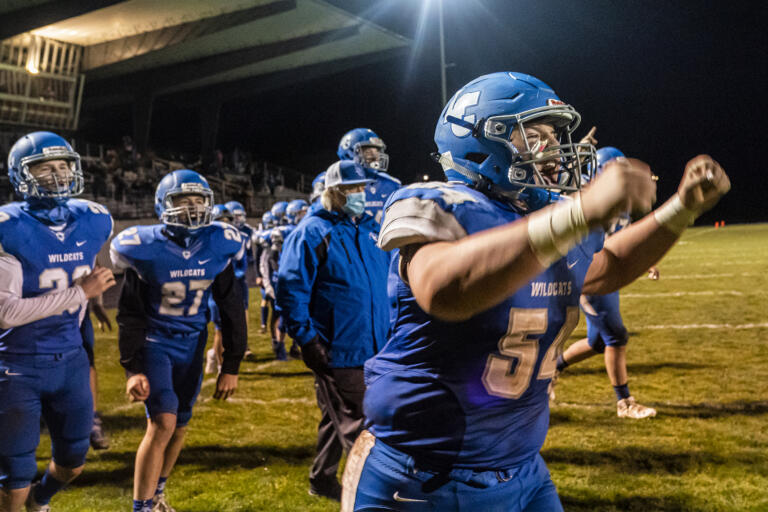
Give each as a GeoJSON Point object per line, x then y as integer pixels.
{"type": "Point", "coordinates": [137, 387]}
{"type": "Point", "coordinates": [653, 273]}
{"type": "Point", "coordinates": [97, 282]}
{"type": "Point", "coordinates": [226, 385]}
{"type": "Point", "coordinates": [315, 356]}
{"type": "Point", "coordinates": [101, 315]}
{"type": "Point", "coordinates": [704, 183]}
{"type": "Point", "coordinates": [626, 185]}
{"type": "Point", "coordinates": [589, 138]}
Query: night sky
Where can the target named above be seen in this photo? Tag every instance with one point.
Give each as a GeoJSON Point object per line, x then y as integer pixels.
{"type": "Point", "coordinates": [662, 80]}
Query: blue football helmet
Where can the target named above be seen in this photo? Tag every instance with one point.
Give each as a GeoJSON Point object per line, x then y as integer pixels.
{"type": "Point", "coordinates": [183, 182]}
{"type": "Point", "coordinates": [268, 220]}
{"type": "Point", "coordinates": [605, 155]}
{"type": "Point", "coordinates": [237, 210]}
{"type": "Point", "coordinates": [473, 136]}
{"type": "Point", "coordinates": [221, 212]}
{"type": "Point", "coordinates": [37, 147]}
{"type": "Point", "coordinates": [278, 210]}
{"type": "Point", "coordinates": [318, 185]}
{"type": "Point", "coordinates": [345, 172]}
{"type": "Point", "coordinates": [355, 141]}
{"type": "Point", "coordinates": [296, 210]}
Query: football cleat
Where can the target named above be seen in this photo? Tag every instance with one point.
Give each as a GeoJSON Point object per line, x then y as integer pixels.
{"type": "Point", "coordinates": [295, 352]}
{"type": "Point", "coordinates": [628, 408]}
{"type": "Point", "coordinates": [98, 438]}
{"type": "Point", "coordinates": [160, 505]}
{"type": "Point", "coordinates": [32, 506]}
{"type": "Point", "coordinates": [332, 491]}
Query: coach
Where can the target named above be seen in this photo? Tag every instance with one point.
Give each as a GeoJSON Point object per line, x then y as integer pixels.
{"type": "Point", "coordinates": [332, 289]}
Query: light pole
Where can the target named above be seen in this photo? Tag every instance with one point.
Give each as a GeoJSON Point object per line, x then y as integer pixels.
{"type": "Point", "coordinates": [442, 52]}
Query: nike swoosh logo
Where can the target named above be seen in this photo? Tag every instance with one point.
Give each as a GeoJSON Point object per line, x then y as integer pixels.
{"type": "Point", "coordinates": [397, 497]}
{"type": "Point", "coordinates": [203, 262]}
{"type": "Point", "coordinates": [10, 374]}
{"type": "Point", "coordinates": [571, 265]}
{"type": "Point", "coordinates": [80, 243]}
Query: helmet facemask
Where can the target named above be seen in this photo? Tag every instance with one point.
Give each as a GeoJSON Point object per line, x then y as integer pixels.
{"type": "Point", "coordinates": [382, 163]}
{"type": "Point", "coordinates": [568, 162]}
{"type": "Point", "coordinates": [188, 216]}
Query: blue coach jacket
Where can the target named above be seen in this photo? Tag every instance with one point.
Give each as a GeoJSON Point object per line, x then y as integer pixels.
{"type": "Point", "coordinates": [332, 283]}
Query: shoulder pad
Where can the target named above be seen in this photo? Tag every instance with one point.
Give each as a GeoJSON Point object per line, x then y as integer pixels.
{"type": "Point", "coordinates": [226, 238]}
{"type": "Point", "coordinates": [426, 212]}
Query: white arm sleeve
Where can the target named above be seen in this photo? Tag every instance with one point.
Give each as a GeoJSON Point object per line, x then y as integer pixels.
{"type": "Point", "coordinates": [15, 311]}
{"type": "Point", "coordinates": [415, 220]}
{"type": "Point", "coordinates": [264, 268]}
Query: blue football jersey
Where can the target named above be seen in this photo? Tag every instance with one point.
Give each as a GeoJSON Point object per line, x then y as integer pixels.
{"type": "Point", "coordinates": [247, 233]}
{"type": "Point", "coordinates": [179, 278]}
{"type": "Point", "coordinates": [470, 394]}
{"type": "Point", "coordinates": [377, 193]}
{"type": "Point", "coordinates": [51, 258]}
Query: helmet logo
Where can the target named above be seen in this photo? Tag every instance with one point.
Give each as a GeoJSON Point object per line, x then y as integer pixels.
{"type": "Point", "coordinates": [192, 187]}
{"type": "Point", "coordinates": [54, 149]}
{"type": "Point", "coordinates": [346, 141]}
{"type": "Point", "coordinates": [552, 101]}
{"type": "Point", "coordinates": [458, 109]}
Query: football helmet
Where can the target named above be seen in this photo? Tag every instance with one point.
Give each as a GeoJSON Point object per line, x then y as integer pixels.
{"type": "Point", "coordinates": [183, 182]}
{"type": "Point", "coordinates": [355, 141]}
{"type": "Point", "coordinates": [605, 155]}
{"type": "Point", "coordinates": [37, 147]}
{"type": "Point", "coordinates": [295, 210]}
{"type": "Point", "coordinates": [221, 212]}
{"type": "Point", "coordinates": [318, 185]}
{"type": "Point", "coordinates": [278, 210]}
{"type": "Point", "coordinates": [474, 132]}
{"type": "Point", "coordinates": [268, 220]}
{"type": "Point", "coordinates": [237, 210]}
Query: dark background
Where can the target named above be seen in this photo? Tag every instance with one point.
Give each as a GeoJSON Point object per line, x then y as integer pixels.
{"type": "Point", "coordinates": [663, 80]}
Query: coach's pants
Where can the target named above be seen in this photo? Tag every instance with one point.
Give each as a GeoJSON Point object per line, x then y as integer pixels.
{"type": "Point", "coordinates": [340, 398]}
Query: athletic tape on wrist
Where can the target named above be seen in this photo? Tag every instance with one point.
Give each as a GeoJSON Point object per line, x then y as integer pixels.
{"type": "Point", "coordinates": [552, 232]}
{"type": "Point", "coordinates": [674, 216]}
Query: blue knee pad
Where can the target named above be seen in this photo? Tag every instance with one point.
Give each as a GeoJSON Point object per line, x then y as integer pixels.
{"type": "Point", "coordinates": [17, 471]}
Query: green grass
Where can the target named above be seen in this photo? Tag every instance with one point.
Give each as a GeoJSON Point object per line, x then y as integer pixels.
{"type": "Point", "coordinates": [707, 450]}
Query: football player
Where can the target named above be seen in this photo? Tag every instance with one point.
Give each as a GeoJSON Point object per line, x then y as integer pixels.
{"type": "Point", "coordinates": [98, 436]}
{"type": "Point", "coordinates": [48, 247]}
{"type": "Point", "coordinates": [363, 146]}
{"type": "Point", "coordinates": [278, 211]}
{"type": "Point", "coordinates": [170, 271]}
{"type": "Point", "coordinates": [296, 210]}
{"type": "Point", "coordinates": [606, 333]}
{"type": "Point", "coordinates": [269, 265]}
{"type": "Point", "coordinates": [485, 289]}
{"type": "Point", "coordinates": [267, 223]}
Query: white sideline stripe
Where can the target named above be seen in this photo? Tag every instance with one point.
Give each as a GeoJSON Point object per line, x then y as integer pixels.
{"type": "Point", "coordinates": [763, 325]}
{"type": "Point", "coordinates": [256, 401]}
{"type": "Point", "coordinates": [705, 276]}
{"type": "Point", "coordinates": [734, 293]}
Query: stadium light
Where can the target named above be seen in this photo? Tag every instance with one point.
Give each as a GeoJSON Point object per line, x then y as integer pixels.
{"type": "Point", "coordinates": [425, 177]}
{"type": "Point", "coordinates": [33, 60]}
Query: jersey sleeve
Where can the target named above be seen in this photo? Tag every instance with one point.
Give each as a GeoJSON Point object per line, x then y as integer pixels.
{"type": "Point", "coordinates": [229, 240]}
{"type": "Point", "coordinates": [423, 213]}
{"type": "Point", "coordinates": [16, 311]}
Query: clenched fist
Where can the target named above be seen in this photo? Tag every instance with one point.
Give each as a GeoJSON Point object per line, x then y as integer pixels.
{"type": "Point", "coordinates": [97, 282]}
{"type": "Point", "coordinates": [625, 186]}
{"type": "Point", "coordinates": [704, 183]}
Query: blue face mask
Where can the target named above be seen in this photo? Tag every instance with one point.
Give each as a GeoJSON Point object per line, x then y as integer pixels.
{"type": "Point", "coordinates": [355, 205]}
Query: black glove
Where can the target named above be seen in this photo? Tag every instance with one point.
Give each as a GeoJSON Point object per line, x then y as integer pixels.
{"type": "Point", "coordinates": [315, 356]}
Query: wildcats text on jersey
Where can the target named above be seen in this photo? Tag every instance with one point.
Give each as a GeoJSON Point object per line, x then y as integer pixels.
{"type": "Point", "coordinates": [68, 256]}
{"type": "Point", "coordinates": [188, 272]}
{"type": "Point", "coordinates": [556, 289]}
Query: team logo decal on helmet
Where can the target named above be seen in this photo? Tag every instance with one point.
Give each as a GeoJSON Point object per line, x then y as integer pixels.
{"type": "Point", "coordinates": [179, 183]}
{"type": "Point", "coordinates": [474, 139]}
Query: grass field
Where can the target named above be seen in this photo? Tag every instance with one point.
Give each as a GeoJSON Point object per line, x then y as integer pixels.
{"type": "Point", "coordinates": [698, 353]}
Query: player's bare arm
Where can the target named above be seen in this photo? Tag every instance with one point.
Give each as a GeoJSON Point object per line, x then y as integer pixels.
{"type": "Point", "coordinates": [633, 250]}
{"type": "Point", "coordinates": [456, 280]}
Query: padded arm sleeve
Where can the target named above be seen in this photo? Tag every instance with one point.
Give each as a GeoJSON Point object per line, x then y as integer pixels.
{"type": "Point", "coordinates": [131, 319]}
{"type": "Point", "coordinates": [229, 298]}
